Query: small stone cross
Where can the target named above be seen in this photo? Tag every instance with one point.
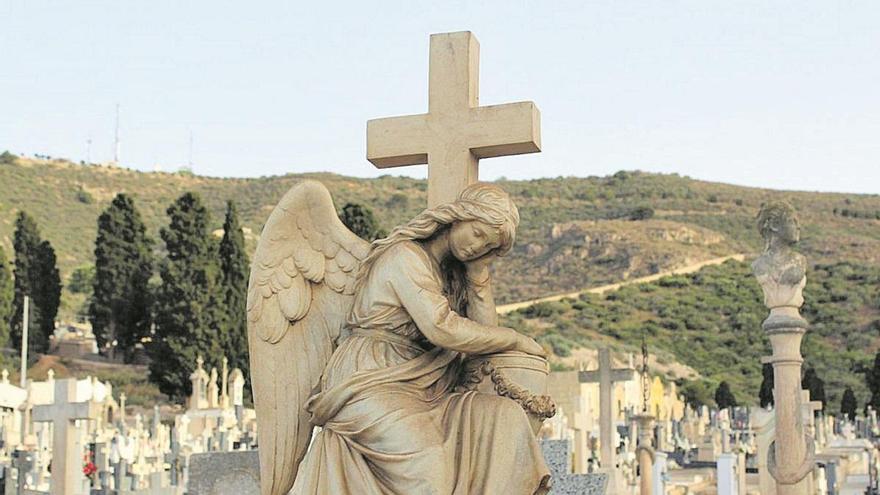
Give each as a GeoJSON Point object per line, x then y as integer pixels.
{"type": "Point", "coordinates": [456, 132]}
{"type": "Point", "coordinates": [606, 376]}
{"type": "Point", "coordinates": [66, 458]}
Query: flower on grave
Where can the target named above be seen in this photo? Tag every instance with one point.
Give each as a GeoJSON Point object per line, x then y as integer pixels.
{"type": "Point", "coordinates": [89, 468]}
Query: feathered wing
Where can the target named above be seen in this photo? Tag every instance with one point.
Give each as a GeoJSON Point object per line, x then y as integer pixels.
{"type": "Point", "coordinates": [300, 291]}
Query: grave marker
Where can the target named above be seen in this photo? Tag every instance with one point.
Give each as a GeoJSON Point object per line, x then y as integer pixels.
{"type": "Point", "coordinates": [66, 457]}
{"type": "Point", "coordinates": [456, 132]}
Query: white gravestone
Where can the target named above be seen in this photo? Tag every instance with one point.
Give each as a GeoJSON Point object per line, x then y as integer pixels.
{"type": "Point", "coordinates": [67, 475]}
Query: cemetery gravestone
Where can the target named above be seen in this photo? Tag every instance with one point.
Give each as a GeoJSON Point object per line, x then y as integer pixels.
{"type": "Point", "coordinates": [67, 473]}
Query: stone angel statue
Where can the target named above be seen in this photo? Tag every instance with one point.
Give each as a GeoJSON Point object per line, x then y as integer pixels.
{"type": "Point", "coordinates": [371, 343]}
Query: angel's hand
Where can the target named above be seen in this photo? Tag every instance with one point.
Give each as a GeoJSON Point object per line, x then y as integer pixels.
{"type": "Point", "coordinates": [529, 346]}
{"type": "Point", "coordinates": [478, 269]}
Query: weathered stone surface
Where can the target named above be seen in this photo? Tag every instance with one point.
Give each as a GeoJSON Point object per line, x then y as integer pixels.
{"type": "Point", "coordinates": [224, 473]}
{"type": "Point", "coordinates": [557, 455]}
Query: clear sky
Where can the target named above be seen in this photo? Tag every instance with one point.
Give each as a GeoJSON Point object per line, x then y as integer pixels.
{"type": "Point", "coordinates": [780, 94]}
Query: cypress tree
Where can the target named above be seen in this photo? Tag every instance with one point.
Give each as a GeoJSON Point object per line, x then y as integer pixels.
{"type": "Point", "coordinates": [360, 220]}
{"type": "Point", "coordinates": [873, 379]}
{"type": "Point", "coordinates": [724, 398]}
{"type": "Point", "coordinates": [765, 395]}
{"type": "Point", "coordinates": [235, 269]}
{"type": "Point", "coordinates": [46, 282]}
{"type": "Point", "coordinates": [187, 306]}
{"type": "Point", "coordinates": [848, 404]}
{"type": "Point", "coordinates": [6, 296]}
{"type": "Point", "coordinates": [121, 299]}
{"type": "Point", "coordinates": [30, 256]}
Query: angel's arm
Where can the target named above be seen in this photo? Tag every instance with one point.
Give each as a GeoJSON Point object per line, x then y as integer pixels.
{"type": "Point", "coordinates": [421, 295]}
{"type": "Point", "coordinates": [481, 299]}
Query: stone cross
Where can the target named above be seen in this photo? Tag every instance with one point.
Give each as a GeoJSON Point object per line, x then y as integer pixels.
{"type": "Point", "coordinates": [456, 132]}
{"type": "Point", "coordinates": [66, 458]}
{"type": "Point", "coordinates": [606, 376]}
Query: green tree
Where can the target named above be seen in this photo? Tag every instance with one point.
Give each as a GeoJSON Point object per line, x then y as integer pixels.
{"type": "Point", "coordinates": [82, 280]}
{"type": "Point", "coordinates": [25, 242]}
{"type": "Point", "coordinates": [234, 269]}
{"type": "Point", "coordinates": [848, 404]}
{"type": "Point", "coordinates": [765, 395]}
{"type": "Point", "coordinates": [641, 213]}
{"type": "Point", "coordinates": [873, 379]}
{"type": "Point", "coordinates": [47, 295]}
{"type": "Point", "coordinates": [187, 307]}
{"type": "Point", "coordinates": [360, 220]}
{"type": "Point", "coordinates": [7, 158]}
{"type": "Point", "coordinates": [697, 393]}
{"type": "Point", "coordinates": [36, 276]}
{"type": "Point", "coordinates": [815, 385]}
{"type": "Point", "coordinates": [121, 299]}
{"type": "Point", "coordinates": [7, 294]}
{"type": "Point", "coordinates": [724, 397]}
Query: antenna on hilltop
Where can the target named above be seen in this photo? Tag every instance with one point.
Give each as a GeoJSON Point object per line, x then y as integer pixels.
{"type": "Point", "coordinates": [116, 144]}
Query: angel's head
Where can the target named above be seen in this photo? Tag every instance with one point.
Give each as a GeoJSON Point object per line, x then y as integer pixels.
{"type": "Point", "coordinates": [482, 221]}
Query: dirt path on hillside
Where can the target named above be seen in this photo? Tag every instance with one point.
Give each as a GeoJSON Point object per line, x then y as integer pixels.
{"type": "Point", "coordinates": [507, 308]}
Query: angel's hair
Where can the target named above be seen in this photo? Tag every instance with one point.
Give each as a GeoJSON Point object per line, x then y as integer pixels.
{"type": "Point", "coordinates": [485, 203]}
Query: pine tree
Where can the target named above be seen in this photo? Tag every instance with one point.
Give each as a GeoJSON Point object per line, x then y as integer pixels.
{"type": "Point", "coordinates": [873, 379]}
{"type": "Point", "coordinates": [187, 307]}
{"type": "Point", "coordinates": [235, 269]}
{"type": "Point", "coordinates": [36, 276]}
{"type": "Point", "coordinates": [765, 395]}
{"type": "Point", "coordinates": [724, 397]}
{"type": "Point", "coordinates": [121, 299]}
{"type": "Point", "coordinates": [7, 294]}
{"type": "Point", "coordinates": [815, 385]}
{"type": "Point", "coordinates": [848, 404]}
{"type": "Point", "coordinates": [360, 220]}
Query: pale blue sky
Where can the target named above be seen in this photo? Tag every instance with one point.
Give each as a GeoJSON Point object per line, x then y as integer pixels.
{"type": "Point", "coordinates": [782, 94]}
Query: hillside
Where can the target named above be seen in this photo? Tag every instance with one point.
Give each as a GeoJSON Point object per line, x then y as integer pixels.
{"type": "Point", "coordinates": [575, 232]}
{"type": "Point", "coordinates": [711, 321]}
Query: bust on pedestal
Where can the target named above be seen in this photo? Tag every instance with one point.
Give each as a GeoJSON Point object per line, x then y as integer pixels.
{"type": "Point", "coordinates": [781, 272]}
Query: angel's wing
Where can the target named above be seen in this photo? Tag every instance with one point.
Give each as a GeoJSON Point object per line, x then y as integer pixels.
{"type": "Point", "coordinates": [299, 294]}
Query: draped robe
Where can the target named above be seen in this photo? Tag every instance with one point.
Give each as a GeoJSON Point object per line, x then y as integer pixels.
{"type": "Point", "coordinates": [392, 422]}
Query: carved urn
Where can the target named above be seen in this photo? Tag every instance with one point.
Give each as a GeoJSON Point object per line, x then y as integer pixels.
{"type": "Point", "coordinates": [517, 376]}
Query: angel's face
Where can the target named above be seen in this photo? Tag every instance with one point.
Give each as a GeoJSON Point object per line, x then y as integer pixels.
{"type": "Point", "coordinates": [472, 239]}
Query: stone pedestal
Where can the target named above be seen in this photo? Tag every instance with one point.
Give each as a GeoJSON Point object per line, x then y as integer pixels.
{"type": "Point", "coordinates": [645, 452]}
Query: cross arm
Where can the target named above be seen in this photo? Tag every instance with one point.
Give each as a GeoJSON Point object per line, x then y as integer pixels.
{"type": "Point", "coordinates": [501, 130]}
{"type": "Point", "coordinates": [398, 141]}
{"type": "Point", "coordinates": [69, 411]}
{"type": "Point", "coordinates": [617, 375]}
